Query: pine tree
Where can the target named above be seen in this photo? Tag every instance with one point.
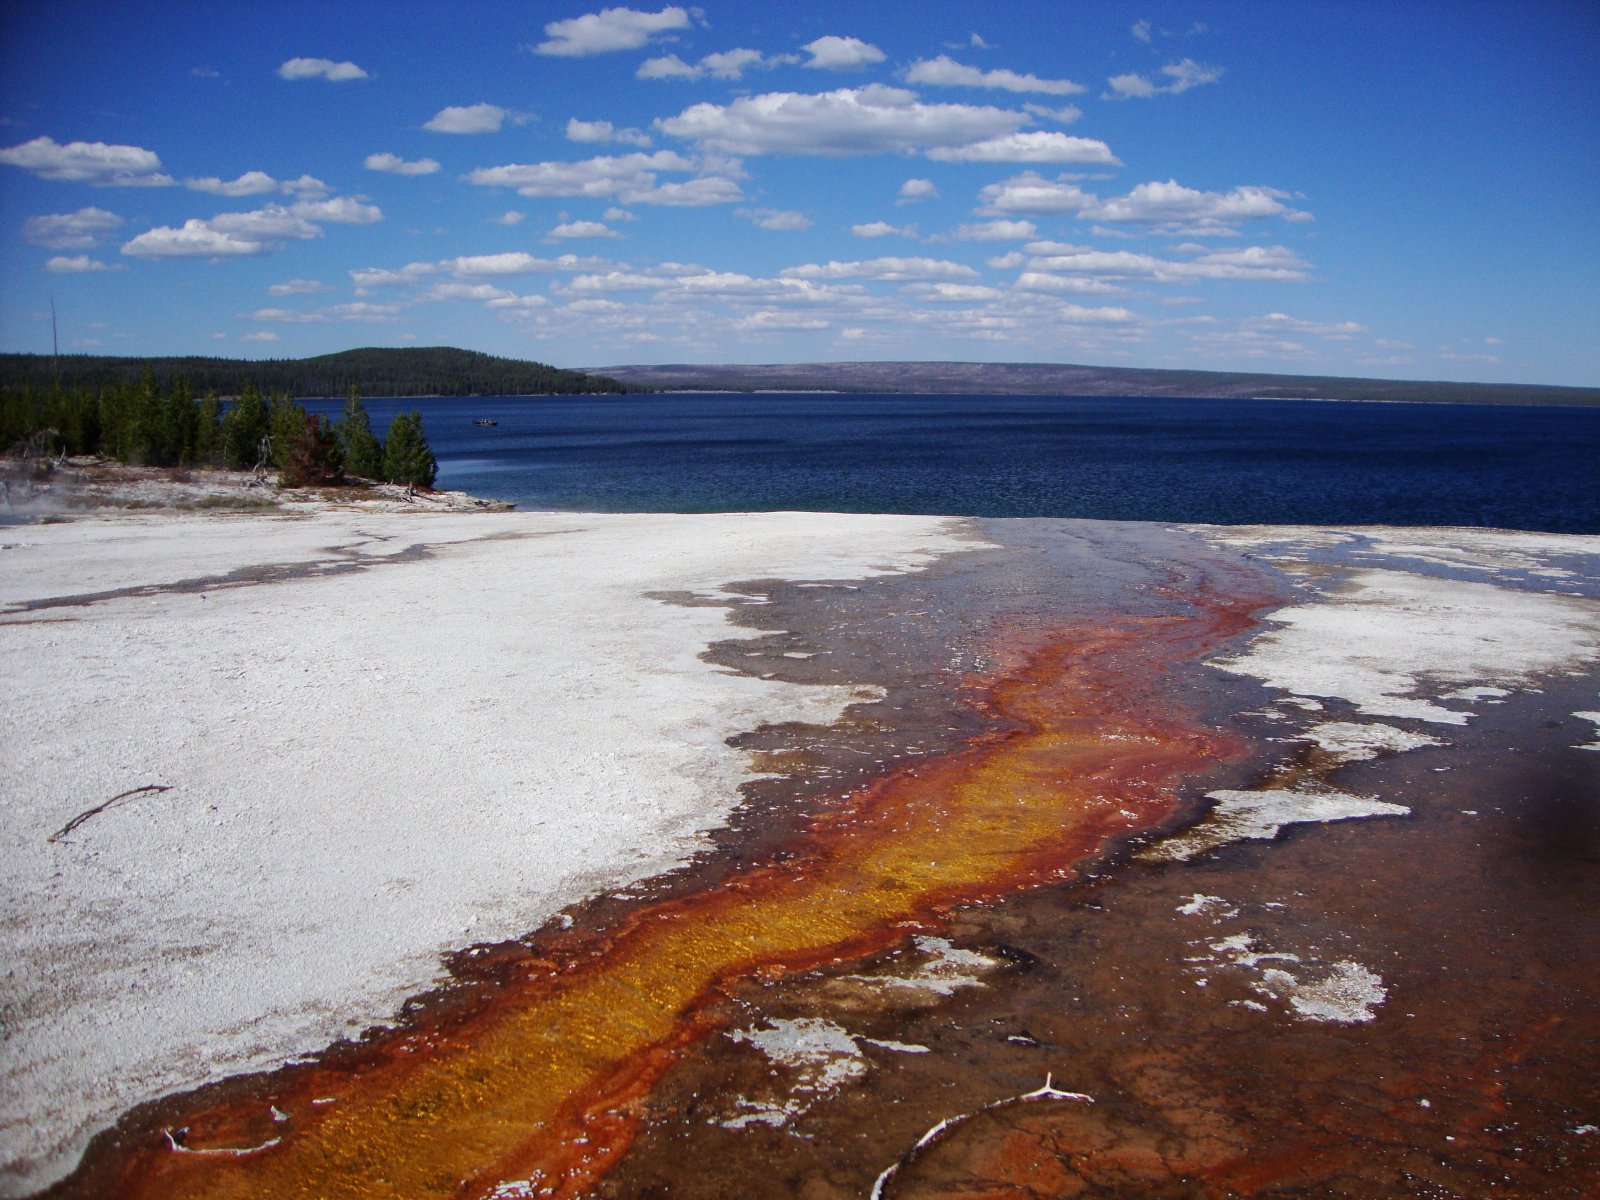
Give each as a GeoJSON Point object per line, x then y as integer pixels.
{"type": "Point", "coordinates": [243, 430]}
{"type": "Point", "coordinates": [208, 431]}
{"type": "Point", "coordinates": [363, 453]}
{"type": "Point", "coordinates": [407, 458]}
{"type": "Point", "coordinates": [119, 421]}
{"type": "Point", "coordinates": [178, 426]}
{"type": "Point", "coordinates": [288, 420]}
{"type": "Point", "coordinates": [21, 414]}
{"type": "Point", "coordinates": [75, 415]}
{"type": "Point", "coordinates": [145, 443]}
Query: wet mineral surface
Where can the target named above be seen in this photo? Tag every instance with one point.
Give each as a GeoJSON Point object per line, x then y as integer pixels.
{"type": "Point", "coordinates": [940, 950]}
{"type": "Point", "coordinates": [1216, 1011]}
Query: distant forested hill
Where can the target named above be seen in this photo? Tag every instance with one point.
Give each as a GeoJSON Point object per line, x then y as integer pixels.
{"type": "Point", "coordinates": [1066, 379]}
{"type": "Point", "coordinates": [406, 371]}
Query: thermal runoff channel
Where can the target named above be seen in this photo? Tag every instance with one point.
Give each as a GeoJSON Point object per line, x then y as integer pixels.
{"type": "Point", "coordinates": [1056, 730]}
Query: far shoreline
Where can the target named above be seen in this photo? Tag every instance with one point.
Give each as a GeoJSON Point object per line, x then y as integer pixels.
{"type": "Point", "coordinates": [1003, 395]}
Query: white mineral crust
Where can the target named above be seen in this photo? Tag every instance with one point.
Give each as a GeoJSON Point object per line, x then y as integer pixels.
{"type": "Point", "coordinates": [367, 769]}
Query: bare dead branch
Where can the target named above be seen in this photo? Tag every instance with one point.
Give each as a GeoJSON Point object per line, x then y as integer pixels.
{"type": "Point", "coordinates": [100, 808]}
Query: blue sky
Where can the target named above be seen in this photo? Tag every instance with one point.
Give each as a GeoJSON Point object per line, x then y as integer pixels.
{"type": "Point", "coordinates": [1406, 190]}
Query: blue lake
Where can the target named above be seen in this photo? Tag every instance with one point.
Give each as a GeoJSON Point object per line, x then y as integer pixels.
{"type": "Point", "coordinates": [1225, 461]}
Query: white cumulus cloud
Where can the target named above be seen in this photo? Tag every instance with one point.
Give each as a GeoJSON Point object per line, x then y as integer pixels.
{"type": "Point", "coordinates": [469, 267]}
{"type": "Point", "coordinates": [582, 229]}
{"type": "Point", "coordinates": [668, 66]}
{"type": "Point", "coordinates": [194, 239]}
{"type": "Point", "coordinates": [841, 54]}
{"type": "Point", "coordinates": [946, 72]}
{"type": "Point", "coordinates": [251, 183]}
{"type": "Point", "coordinates": [1045, 281]}
{"type": "Point", "coordinates": [874, 119]}
{"type": "Point", "coordinates": [608, 30]}
{"type": "Point", "coordinates": [468, 118]}
{"type": "Point", "coordinates": [1172, 204]}
{"type": "Point", "coordinates": [259, 231]}
{"type": "Point", "coordinates": [70, 231]}
{"type": "Point", "coordinates": [732, 64]}
{"type": "Point", "coordinates": [482, 292]}
{"type": "Point", "coordinates": [1181, 76]}
{"type": "Point", "coordinates": [1032, 193]}
{"type": "Point", "coordinates": [393, 164]}
{"type": "Point", "coordinates": [965, 293]}
{"type": "Point", "coordinates": [604, 131]}
{"type": "Point", "coordinates": [307, 187]}
{"type": "Point", "coordinates": [1167, 208]}
{"type": "Point", "coordinates": [320, 68]}
{"type": "Point", "coordinates": [1116, 316]}
{"type": "Point", "coordinates": [775, 218]}
{"type": "Point", "coordinates": [512, 262]}
{"type": "Point", "coordinates": [356, 311]}
{"type": "Point", "coordinates": [298, 287]}
{"type": "Point", "coordinates": [618, 281]}
{"type": "Point", "coordinates": [886, 269]}
{"type": "Point", "coordinates": [727, 64]}
{"type": "Point", "coordinates": [341, 210]}
{"type": "Point", "coordinates": [94, 163]}
{"type": "Point", "coordinates": [770, 320]}
{"type": "Point", "coordinates": [1338, 331]}
{"type": "Point", "coordinates": [519, 305]}
{"type": "Point", "coordinates": [603, 176]}
{"type": "Point", "coordinates": [878, 229]}
{"type": "Point", "coordinates": [693, 193]}
{"type": "Point", "coordinates": [998, 231]}
{"type": "Point", "coordinates": [1065, 115]}
{"type": "Point", "coordinates": [1030, 147]}
{"type": "Point", "coordinates": [630, 178]}
{"type": "Point", "coordinates": [1261, 263]}
{"type": "Point", "coordinates": [274, 223]}
{"type": "Point", "coordinates": [1252, 262]}
{"type": "Point", "coordinates": [913, 190]}
{"type": "Point", "coordinates": [77, 264]}
{"type": "Point", "coordinates": [372, 277]}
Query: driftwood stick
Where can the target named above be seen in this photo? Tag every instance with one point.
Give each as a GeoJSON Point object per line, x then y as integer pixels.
{"type": "Point", "coordinates": [100, 808]}
{"type": "Point", "coordinates": [1048, 1092]}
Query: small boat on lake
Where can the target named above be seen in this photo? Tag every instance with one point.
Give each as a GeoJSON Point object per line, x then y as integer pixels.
{"type": "Point", "coordinates": [484, 421]}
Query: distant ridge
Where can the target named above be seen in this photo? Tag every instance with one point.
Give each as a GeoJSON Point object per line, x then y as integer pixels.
{"type": "Point", "coordinates": [1020, 379]}
{"type": "Point", "coordinates": [377, 371]}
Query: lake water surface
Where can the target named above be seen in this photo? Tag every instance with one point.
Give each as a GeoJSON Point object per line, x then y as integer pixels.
{"type": "Point", "coordinates": [1223, 461]}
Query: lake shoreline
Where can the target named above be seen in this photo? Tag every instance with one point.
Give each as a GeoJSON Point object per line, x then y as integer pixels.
{"type": "Point", "coordinates": [44, 490]}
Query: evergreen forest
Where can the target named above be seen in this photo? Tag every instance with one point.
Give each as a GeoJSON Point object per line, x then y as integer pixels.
{"type": "Point", "coordinates": [148, 424]}
{"type": "Point", "coordinates": [404, 371]}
